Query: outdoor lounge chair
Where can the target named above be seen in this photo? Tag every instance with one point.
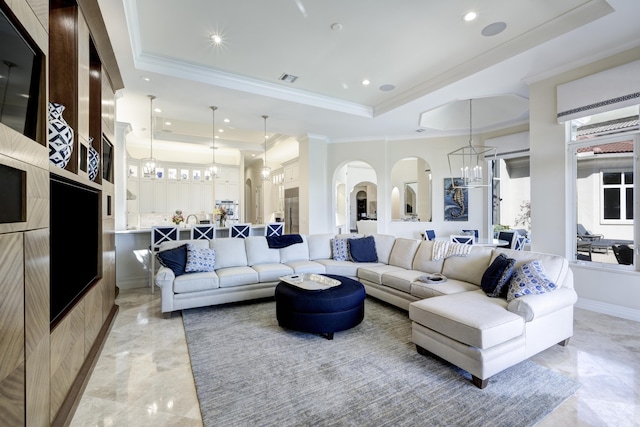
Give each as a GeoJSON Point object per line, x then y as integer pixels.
{"type": "Point", "coordinates": [623, 253]}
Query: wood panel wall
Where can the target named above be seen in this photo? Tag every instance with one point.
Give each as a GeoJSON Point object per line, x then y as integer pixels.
{"type": "Point", "coordinates": [12, 367]}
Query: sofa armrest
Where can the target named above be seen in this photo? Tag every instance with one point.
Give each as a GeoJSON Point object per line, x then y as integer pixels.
{"type": "Point", "coordinates": [532, 306]}
{"type": "Point", "coordinates": [165, 277]}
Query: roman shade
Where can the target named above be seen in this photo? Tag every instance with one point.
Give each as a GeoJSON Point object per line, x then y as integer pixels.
{"type": "Point", "coordinates": [604, 91]}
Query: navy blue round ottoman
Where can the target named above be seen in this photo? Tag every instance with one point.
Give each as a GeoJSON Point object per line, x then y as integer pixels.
{"type": "Point", "coordinates": [321, 311]}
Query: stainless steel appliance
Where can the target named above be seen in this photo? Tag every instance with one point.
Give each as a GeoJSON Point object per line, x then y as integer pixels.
{"type": "Point", "coordinates": [291, 211]}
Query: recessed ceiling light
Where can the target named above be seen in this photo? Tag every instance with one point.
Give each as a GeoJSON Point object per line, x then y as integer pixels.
{"type": "Point", "coordinates": [220, 130]}
{"type": "Point", "coordinates": [157, 110]}
{"type": "Point", "coordinates": [336, 27]}
{"type": "Point", "coordinates": [216, 38]}
{"type": "Point", "coordinates": [366, 82]}
{"type": "Point", "coordinates": [387, 88]}
{"type": "Point", "coordinates": [226, 120]}
{"type": "Point", "coordinates": [167, 123]}
{"type": "Point", "coordinates": [145, 78]}
{"type": "Point", "coordinates": [494, 29]}
{"type": "Point", "coordinates": [470, 16]}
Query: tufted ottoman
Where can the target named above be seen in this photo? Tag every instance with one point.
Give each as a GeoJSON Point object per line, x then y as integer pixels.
{"type": "Point", "coordinates": [321, 311]}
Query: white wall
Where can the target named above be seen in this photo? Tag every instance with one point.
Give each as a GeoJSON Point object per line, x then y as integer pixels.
{"type": "Point", "coordinates": [607, 290]}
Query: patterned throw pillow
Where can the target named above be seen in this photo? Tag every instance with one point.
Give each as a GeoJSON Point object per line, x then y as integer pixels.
{"type": "Point", "coordinates": [529, 279]}
{"type": "Point", "coordinates": [340, 249]}
{"type": "Point", "coordinates": [199, 260]}
{"type": "Point", "coordinates": [495, 280]}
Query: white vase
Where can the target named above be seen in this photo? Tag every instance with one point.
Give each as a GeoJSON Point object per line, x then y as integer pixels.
{"type": "Point", "coordinates": [94, 161]}
{"type": "Point", "coordinates": [60, 136]}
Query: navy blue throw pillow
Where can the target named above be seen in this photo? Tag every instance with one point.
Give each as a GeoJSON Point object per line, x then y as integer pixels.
{"type": "Point", "coordinates": [363, 249]}
{"type": "Point", "coordinates": [175, 259]}
{"type": "Point", "coordinates": [496, 277]}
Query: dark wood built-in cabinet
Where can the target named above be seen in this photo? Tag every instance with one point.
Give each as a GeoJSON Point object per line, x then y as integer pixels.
{"type": "Point", "coordinates": [45, 363]}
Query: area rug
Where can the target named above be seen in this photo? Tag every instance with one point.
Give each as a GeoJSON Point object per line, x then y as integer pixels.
{"type": "Point", "coordinates": [250, 372]}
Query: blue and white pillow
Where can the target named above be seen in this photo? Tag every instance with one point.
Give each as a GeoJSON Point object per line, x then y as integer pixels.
{"type": "Point", "coordinates": [340, 249]}
{"type": "Point", "coordinates": [529, 279]}
{"type": "Point", "coordinates": [199, 260]}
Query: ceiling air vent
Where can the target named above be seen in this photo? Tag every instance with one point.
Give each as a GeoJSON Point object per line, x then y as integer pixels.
{"type": "Point", "coordinates": [289, 78]}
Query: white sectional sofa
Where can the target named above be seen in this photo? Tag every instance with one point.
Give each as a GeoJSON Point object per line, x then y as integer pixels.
{"type": "Point", "coordinates": [455, 320]}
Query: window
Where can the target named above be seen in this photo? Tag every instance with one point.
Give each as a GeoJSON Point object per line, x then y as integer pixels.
{"type": "Point", "coordinates": [617, 196]}
{"type": "Point", "coordinates": [604, 149]}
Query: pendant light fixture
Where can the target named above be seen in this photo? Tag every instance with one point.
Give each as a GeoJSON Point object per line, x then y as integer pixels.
{"type": "Point", "coordinates": [213, 168]}
{"type": "Point", "coordinates": [266, 171]}
{"type": "Point", "coordinates": [465, 163]}
{"type": "Point", "coordinates": [150, 164]}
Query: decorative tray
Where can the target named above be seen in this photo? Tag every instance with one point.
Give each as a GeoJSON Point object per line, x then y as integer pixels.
{"type": "Point", "coordinates": [310, 281]}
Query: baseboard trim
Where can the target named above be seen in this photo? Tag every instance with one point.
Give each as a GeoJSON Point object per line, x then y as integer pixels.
{"type": "Point", "coordinates": [610, 309]}
{"type": "Point", "coordinates": [137, 282]}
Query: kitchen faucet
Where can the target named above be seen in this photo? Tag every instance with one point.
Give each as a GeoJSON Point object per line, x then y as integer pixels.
{"type": "Point", "coordinates": [186, 221]}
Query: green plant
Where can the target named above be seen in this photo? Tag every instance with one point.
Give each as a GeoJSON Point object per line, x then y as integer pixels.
{"type": "Point", "coordinates": [524, 217]}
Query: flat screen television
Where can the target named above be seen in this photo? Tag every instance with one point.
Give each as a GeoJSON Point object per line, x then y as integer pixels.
{"type": "Point", "coordinates": [20, 67]}
{"type": "Point", "coordinates": [74, 232]}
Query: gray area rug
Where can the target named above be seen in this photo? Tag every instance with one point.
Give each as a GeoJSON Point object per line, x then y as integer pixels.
{"type": "Point", "coordinates": [250, 372]}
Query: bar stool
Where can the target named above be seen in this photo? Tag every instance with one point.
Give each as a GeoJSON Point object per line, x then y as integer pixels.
{"type": "Point", "coordinates": [159, 234]}
{"type": "Point", "coordinates": [240, 231]}
{"type": "Point", "coordinates": [274, 229]}
{"type": "Point", "coordinates": [203, 232]}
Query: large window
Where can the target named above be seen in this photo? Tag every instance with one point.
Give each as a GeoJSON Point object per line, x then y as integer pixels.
{"type": "Point", "coordinates": [604, 150]}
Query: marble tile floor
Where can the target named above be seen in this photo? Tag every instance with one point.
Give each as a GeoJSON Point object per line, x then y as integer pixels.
{"type": "Point", "coordinates": [143, 376]}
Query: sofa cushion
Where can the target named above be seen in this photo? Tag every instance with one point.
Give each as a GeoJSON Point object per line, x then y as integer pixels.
{"type": "Point", "coordinates": [195, 282]}
{"type": "Point", "coordinates": [471, 318]}
{"type": "Point", "coordinates": [236, 276]}
{"type": "Point", "coordinates": [259, 252]}
{"type": "Point", "coordinates": [363, 249]}
{"type": "Point", "coordinates": [272, 272]}
{"type": "Point", "coordinates": [403, 252]}
{"type": "Point", "coordinates": [495, 280]}
{"type": "Point", "coordinates": [384, 245]}
{"type": "Point", "coordinates": [344, 268]}
{"type": "Point", "coordinates": [374, 273]}
{"type": "Point", "coordinates": [319, 246]}
{"type": "Point", "coordinates": [469, 268]}
{"type": "Point", "coordinates": [175, 259]}
{"type": "Point", "coordinates": [295, 252]}
{"type": "Point", "coordinates": [451, 286]}
{"type": "Point", "coordinates": [304, 266]}
{"type": "Point", "coordinates": [423, 260]}
{"type": "Point", "coordinates": [230, 252]}
{"type": "Point", "coordinates": [401, 279]}
{"type": "Point", "coordinates": [529, 279]}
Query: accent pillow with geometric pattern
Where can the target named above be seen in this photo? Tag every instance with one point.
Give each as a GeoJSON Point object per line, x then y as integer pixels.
{"type": "Point", "coordinates": [199, 260]}
{"type": "Point", "coordinates": [529, 279]}
{"type": "Point", "coordinates": [340, 249]}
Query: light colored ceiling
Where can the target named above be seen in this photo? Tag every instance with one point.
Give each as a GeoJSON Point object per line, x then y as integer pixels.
{"type": "Point", "coordinates": [421, 47]}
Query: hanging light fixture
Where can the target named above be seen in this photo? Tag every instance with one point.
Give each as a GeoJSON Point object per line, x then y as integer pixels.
{"type": "Point", "coordinates": [213, 168]}
{"type": "Point", "coordinates": [465, 163]}
{"type": "Point", "coordinates": [150, 164]}
{"type": "Point", "coordinates": [266, 171]}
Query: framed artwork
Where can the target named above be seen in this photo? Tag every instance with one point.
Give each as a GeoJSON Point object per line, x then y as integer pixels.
{"type": "Point", "coordinates": [456, 202]}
